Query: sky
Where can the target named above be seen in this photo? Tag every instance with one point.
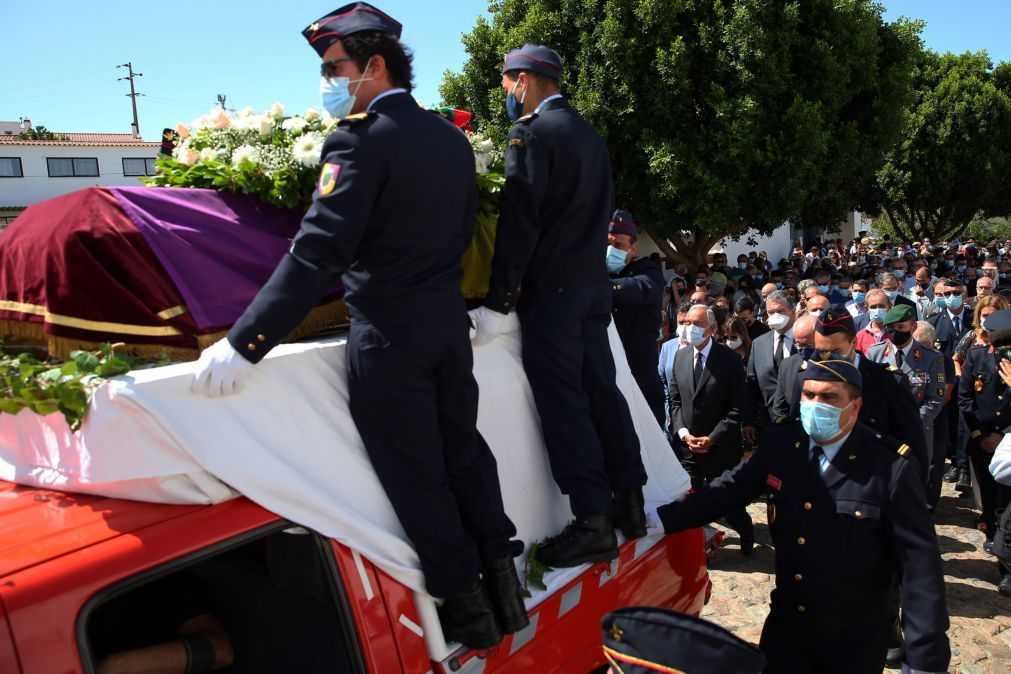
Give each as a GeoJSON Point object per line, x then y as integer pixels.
{"type": "Point", "coordinates": [253, 53]}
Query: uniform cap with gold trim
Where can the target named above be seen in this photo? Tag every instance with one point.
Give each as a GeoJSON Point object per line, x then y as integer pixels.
{"type": "Point", "coordinates": [646, 640]}
{"type": "Point", "coordinates": [832, 369]}
{"type": "Point", "coordinates": [348, 20]}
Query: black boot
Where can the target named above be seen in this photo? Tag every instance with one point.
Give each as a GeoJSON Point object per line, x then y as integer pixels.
{"type": "Point", "coordinates": [468, 617]}
{"type": "Point", "coordinates": [629, 513]}
{"type": "Point", "coordinates": [964, 482]}
{"type": "Point", "coordinates": [951, 475]}
{"type": "Point", "coordinates": [589, 538]}
{"type": "Point", "coordinates": [893, 657]}
{"type": "Point", "coordinates": [503, 587]}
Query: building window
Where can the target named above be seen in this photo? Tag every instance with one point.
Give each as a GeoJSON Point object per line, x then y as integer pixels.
{"type": "Point", "coordinates": [138, 167]}
{"type": "Point", "coordinates": [10, 167]}
{"type": "Point", "coordinates": [67, 167]}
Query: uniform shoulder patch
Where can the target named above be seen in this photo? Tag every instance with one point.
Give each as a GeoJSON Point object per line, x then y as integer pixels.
{"type": "Point", "coordinates": [516, 142]}
{"type": "Point", "coordinates": [904, 450]}
{"type": "Point", "coordinates": [328, 176]}
{"type": "Point", "coordinates": [526, 119]}
{"type": "Point", "coordinates": [355, 118]}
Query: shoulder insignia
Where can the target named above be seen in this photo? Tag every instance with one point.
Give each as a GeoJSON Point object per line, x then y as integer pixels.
{"type": "Point", "coordinates": [803, 365]}
{"type": "Point", "coordinates": [903, 450]}
{"type": "Point", "coordinates": [779, 420]}
{"type": "Point", "coordinates": [357, 117]}
{"type": "Point", "coordinates": [893, 368]}
{"type": "Point", "coordinates": [516, 142]}
{"type": "Point", "coordinates": [527, 118]}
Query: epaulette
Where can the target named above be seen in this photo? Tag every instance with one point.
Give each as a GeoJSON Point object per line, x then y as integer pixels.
{"type": "Point", "coordinates": [527, 118]}
{"type": "Point", "coordinates": [904, 450]}
{"type": "Point", "coordinates": [779, 420]}
{"type": "Point", "coordinates": [803, 365]}
{"type": "Point", "coordinates": [357, 117]}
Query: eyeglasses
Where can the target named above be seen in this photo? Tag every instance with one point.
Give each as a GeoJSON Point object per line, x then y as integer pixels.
{"type": "Point", "coordinates": [328, 69]}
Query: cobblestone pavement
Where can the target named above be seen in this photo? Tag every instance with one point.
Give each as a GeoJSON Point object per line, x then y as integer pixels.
{"type": "Point", "coordinates": [980, 631]}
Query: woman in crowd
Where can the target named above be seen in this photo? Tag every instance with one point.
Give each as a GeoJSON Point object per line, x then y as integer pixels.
{"type": "Point", "coordinates": [735, 336]}
{"type": "Point", "coordinates": [986, 306]}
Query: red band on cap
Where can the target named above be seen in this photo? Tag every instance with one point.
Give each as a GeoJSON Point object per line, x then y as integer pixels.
{"type": "Point", "coordinates": [349, 13]}
{"type": "Point", "coordinates": [533, 58]}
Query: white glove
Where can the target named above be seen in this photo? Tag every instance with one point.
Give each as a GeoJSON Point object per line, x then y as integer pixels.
{"type": "Point", "coordinates": [653, 524]}
{"type": "Point", "coordinates": [221, 370]}
{"type": "Point", "coordinates": [489, 324]}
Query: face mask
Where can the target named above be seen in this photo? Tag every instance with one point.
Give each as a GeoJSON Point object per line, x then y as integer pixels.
{"type": "Point", "coordinates": [899, 337]}
{"type": "Point", "coordinates": [878, 315]}
{"type": "Point", "coordinates": [336, 93]}
{"type": "Point", "coordinates": [514, 108]}
{"type": "Point", "coordinates": [891, 295]}
{"type": "Point", "coordinates": [692, 335]}
{"type": "Point", "coordinates": [823, 289]}
{"type": "Point", "coordinates": [859, 297]}
{"type": "Point", "coordinates": [742, 265]}
{"type": "Point", "coordinates": [954, 302]}
{"type": "Point", "coordinates": [734, 342]}
{"type": "Point", "coordinates": [777, 321]}
{"type": "Point", "coordinates": [933, 266]}
{"type": "Point", "coordinates": [844, 292]}
{"type": "Point", "coordinates": [961, 268]}
{"type": "Point", "coordinates": [757, 278]}
{"type": "Point", "coordinates": [616, 259]}
{"type": "Point", "coordinates": [820, 421]}
{"type": "Point", "coordinates": [899, 273]}
{"type": "Point", "coordinates": [940, 301]}
{"type": "Point", "coordinates": [700, 282]}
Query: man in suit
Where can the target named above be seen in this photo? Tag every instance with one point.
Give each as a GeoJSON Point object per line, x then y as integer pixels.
{"type": "Point", "coordinates": [853, 539]}
{"type": "Point", "coordinates": [888, 404]}
{"type": "Point", "coordinates": [922, 294]}
{"type": "Point", "coordinates": [922, 366]}
{"type": "Point", "coordinates": [396, 178]}
{"type": "Point", "coordinates": [556, 204]}
{"type": "Point", "coordinates": [803, 334]}
{"type": "Point", "coordinates": [767, 352]}
{"type": "Point", "coordinates": [707, 398]}
{"type": "Point", "coordinates": [894, 289]}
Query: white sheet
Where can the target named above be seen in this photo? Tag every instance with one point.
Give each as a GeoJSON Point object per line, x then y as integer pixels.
{"type": "Point", "coordinates": [288, 443]}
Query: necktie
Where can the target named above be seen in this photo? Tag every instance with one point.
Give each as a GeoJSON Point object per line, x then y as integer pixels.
{"type": "Point", "coordinates": [777, 355]}
{"type": "Point", "coordinates": [698, 368]}
{"type": "Point", "coordinates": [955, 322]}
{"type": "Point", "coordinates": [899, 358]}
{"type": "Point", "coordinates": [814, 465]}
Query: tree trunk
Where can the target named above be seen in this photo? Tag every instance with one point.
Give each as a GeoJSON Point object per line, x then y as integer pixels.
{"type": "Point", "coordinates": [693, 254]}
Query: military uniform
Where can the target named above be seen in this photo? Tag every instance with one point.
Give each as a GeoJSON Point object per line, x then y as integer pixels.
{"type": "Point", "coordinates": [844, 544]}
{"type": "Point", "coordinates": [923, 368]}
{"type": "Point", "coordinates": [638, 292]}
{"type": "Point", "coordinates": [556, 204]}
{"type": "Point", "coordinates": [392, 215]}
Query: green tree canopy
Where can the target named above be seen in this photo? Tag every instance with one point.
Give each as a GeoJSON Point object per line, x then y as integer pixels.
{"type": "Point", "coordinates": [40, 133]}
{"type": "Point", "coordinates": [954, 160]}
{"type": "Point", "coordinates": [720, 116]}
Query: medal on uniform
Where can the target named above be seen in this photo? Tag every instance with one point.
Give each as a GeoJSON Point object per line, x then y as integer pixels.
{"type": "Point", "coordinates": [770, 512]}
{"type": "Point", "coordinates": [328, 178]}
{"type": "Point", "coordinates": [979, 385]}
{"type": "Point", "coordinates": [916, 354]}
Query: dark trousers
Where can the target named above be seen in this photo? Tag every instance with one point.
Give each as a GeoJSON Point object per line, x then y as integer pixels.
{"type": "Point", "coordinates": [992, 496]}
{"type": "Point", "coordinates": [796, 646]}
{"type": "Point", "coordinates": [941, 443]}
{"type": "Point", "coordinates": [413, 396]}
{"type": "Point", "coordinates": [702, 468]}
{"type": "Point", "coordinates": [591, 442]}
{"type": "Point", "coordinates": [652, 389]}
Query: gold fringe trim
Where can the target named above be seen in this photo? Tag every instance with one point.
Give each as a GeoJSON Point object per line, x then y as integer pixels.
{"type": "Point", "coordinates": [61, 347]}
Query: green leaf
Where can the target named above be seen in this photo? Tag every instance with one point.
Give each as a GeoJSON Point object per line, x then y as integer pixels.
{"type": "Point", "coordinates": [85, 360]}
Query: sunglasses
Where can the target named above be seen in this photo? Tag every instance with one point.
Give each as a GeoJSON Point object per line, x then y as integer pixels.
{"type": "Point", "coordinates": [328, 69]}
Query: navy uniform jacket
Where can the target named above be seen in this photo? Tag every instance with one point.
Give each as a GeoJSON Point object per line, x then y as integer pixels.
{"type": "Point", "coordinates": [840, 545]}
{"type": "Point", "coordinates": [546, 240]}
{"type": "Point", "coordinates": [945, 337]}
{"type": "Point", "coordinates": [390, 237]}
{"type": "Point", "coordinates": [983, 396]}
{"type": "Point", "coordinates": [889, 407]}
{"type": "Point", "coordinates": [638, 293]}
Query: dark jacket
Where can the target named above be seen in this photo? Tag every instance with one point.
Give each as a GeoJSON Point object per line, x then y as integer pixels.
{"type": "Point", "coordinates": [638, 292]}
{"type": "Point", "coordinates": [945, 336]}
{"type": "Point", "coordinates": [556, 204]}
{"type": "Point", "coordinates": [983, 396]}
{"type": "Point", "coordinates": [842, 544]}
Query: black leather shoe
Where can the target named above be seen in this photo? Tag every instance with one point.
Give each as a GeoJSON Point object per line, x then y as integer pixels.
{"type": "Point", "coordinates": [1005, 585]}
{"type": "Point", "coordinates": [503, 587]}
{"type": "Point", "coordinates": [589, 538]}
{"type": "Point", "coordinates": [964, 482]}
{"type": "Point", "coordinates": [951, 475]}
{"type": "Point", "coordinates": [629, 513]}
{"type": "Point", "coordinates": [893, 657]}
{"type": "Point", "coordinates": [468, 617]}
{"type": "Point", "coordinates": [747, 544]}
{"type": "Point", "coordinates": [988, 547]}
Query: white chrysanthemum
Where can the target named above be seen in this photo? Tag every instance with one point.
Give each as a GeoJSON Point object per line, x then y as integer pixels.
{"type": "Point", "coordinates": [209, 154]}
{"type": "Point", "coordinates": [311, 115]}
{"type": "Point", "coordinates": [247, 122]}
{"type": "Point", "coordinates": [245, 112]}
{"type": "Point", "coordinates": [244, 153]}
{"type": "Point", "coordinates": [307, 149]}
{"type": "Point", "coordinates": [294, 124]}
{"type": "Point", "coordinates": [266, 126]}
{"type": "Point", "coordinates": [276, 111]}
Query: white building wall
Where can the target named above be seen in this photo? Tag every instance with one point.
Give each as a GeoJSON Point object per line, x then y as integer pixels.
{"type": "Point", "coordinates": [36, 185]}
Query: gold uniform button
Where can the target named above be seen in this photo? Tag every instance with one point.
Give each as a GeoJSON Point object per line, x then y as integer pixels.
{"type": "Point", "coordinates": [808, 505]}
{"type": "Point", "coordinates": [801, 541]}
{"type": "Point", "coordinates": [261, 338]}
{"type": "Point", "coordinates": [858, 514]}
{"type": "Point", "coordinates": [251, 346]}
{"type": "Point", "coordinates": [801, 608]}
{"type": "Point", "coordinates": [874, 421]}
{"type": "Point", "coordinates": [798, 577]}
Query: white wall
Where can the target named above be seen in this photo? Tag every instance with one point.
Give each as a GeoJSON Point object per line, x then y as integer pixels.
{"type": "Point", "coordinates": [36, 185]}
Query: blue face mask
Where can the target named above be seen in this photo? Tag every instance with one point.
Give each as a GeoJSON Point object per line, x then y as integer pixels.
{"type": "Point", "coordinates": [961, 268]}
{"type": "Point", "coordinates": [844, 292]}
{"type": "Point", "coordinates": [823, 289]}
{"type": "Point", "coordinates": [757, 277]}
{"type": "Point", "coordinates": [859, 297]}
{"type": "Point", "coordinates": [336, 93]}
{"type": "Point", "coordinates": [878, 315]}
{"type": "Point", "coordinates": [954, 302]}
{"type": "Point", "coordinates": [616, 259]}
{"type": "Point", "coordinates": [820, 421]}
{"type": "Point", "coordinates": [899, 273]}
{"type": "Point", "coordinates": [514, 108]}
{"type": "Point", "coordinates": [891, 295]}
{"type": "Point", "coordinates": [940, 301]}
{"type": "Point", "coordinates": [691, 334]}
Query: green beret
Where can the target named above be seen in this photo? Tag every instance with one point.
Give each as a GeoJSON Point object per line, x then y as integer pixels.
{"type": "Point", "coordinates": [899, 313]}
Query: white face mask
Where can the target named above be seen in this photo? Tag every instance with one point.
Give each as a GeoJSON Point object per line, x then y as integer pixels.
{"type": "Point", "coordinates": [691, 334]}
{"type": "Point", "coordinates": [777, 321]}
{"type": "Point", "coordinates": [734, 342]}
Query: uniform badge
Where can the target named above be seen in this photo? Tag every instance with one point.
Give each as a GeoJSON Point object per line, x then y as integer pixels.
{"type": "Point", "coordinates": [888, 350]}
{"type": "Point", "coordinates": [516, 142]}
{"type": "Point", "coordinates": [937, 344]}
{"type": "Point", "coordinates": [328, 178]}
{"type": "Point", "coordinates": [916, 354]}
{"type": "Point", "coordinates": [773, 482]}
{"type": "Point", "coordinates": [979, 385]}
{"type": "Point", "coordinates": [940, 379]}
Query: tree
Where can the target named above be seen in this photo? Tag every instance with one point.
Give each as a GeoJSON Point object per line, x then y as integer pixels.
{"type": "Point", "coordinates": [720, 117]}
{"type": "Point", "coordinates": [40, 133]}
{"type": "Point", "coordinates": [954, 161]}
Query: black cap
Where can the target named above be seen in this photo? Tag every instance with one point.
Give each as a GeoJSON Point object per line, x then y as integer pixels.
{"type": "Point", "coordinates": [832, 368]}
{"type": "Point", "coordinates": [998, 324]}
{"type": "Point", "coordinates": [622, 222]}
{"type": "Point", "coordinates": [535, 58]}
{"type": "Point", "coordinates": [833, 320]}
{"type": "Point", "coordinates": [348, 20]}
{"type": "Point", "coordinates": [645, 640]}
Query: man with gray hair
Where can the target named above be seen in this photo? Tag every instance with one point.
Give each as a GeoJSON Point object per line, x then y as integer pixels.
{"type": "Point", "coordinates": [707, 399]}
{"type": "Point", "coordinates": [767, 352]}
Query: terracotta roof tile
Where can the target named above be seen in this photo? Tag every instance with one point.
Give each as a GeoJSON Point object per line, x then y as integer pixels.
{"type": "Point", "coordinates": [83, 139]}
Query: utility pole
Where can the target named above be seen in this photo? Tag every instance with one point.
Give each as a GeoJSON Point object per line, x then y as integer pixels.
{"type": "Point", "coordinates": [133, 95]}
{"type": "Point", "coordinates": [221, 100]}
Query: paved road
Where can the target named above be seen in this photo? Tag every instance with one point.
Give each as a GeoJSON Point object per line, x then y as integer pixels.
{"type": "Point", "coordinates": [980, 617]}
